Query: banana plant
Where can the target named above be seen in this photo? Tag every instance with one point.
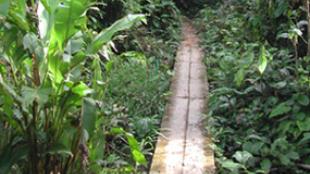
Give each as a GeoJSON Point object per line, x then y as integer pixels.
{"type": "Point", "coordinates": [49, 84]}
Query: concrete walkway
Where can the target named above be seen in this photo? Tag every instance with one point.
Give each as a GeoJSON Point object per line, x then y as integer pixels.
{"type": "Point", "coordinates": [182, 147]}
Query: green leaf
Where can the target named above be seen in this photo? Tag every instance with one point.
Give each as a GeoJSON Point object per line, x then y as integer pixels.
{"type": "Point", "coordinates": [230, 165]}
{"type": "Point", "coordinates": [281, 8]}
{"type": "Point", "coordinates": [97, 77]}
{"type": "Point", "coordinates": [135, 149]}
{"type": "Point", "coordinates": [17, 14]}
{"type": "Point", "coordinates": [304, 125]}
{"type": "Point", "coordinates": [262, 64]}
{"type": "Point", "coordinates": [266, 165]}
{"type": "Point", "coordinates": [278, 144]}
{"type": "Point", "coordinates": [33, 44]}
{"type": "Point", "coordinates": [239, 77]}
{"type": "Point", "coordinates": [68, 18]}
{"type": "Point", "coordinates": [106, 35]}
{"type": "Point", "coordinates": [303, 100]}
{"type": "Point", "coordinates": [97, 150]}
{"type": "Point", "coordinates": [279, 85]}
{"type": "Point", "coordinates": [10, 90]}
{"type": "Point", "coordinates": [41, 95]}
{"type": "Point", "coordinates": [280, 109]}
{"type": "Point", "coordinates": [284, 159]}
{"type": "Point", "coordinates": [296, 31]}
{"type": "Point", "coordinates": [253, 147]}
{"type": "Point", "coordinates": [55, 64]}
{"type": "Point", "coordinates": [46, 13]}
{"type": "Point", "coordinates": [305, 139]}
{"type": "Point", "coordinates": [29, 42]}
{"type": "Point", "coordinates": [4, 7]}
{"type": "Point", "coordinates": [117, 130]}
{"type": "Point", "coordinates": [89, 116]}
{"type": "Point", "coordinates": [242, 156]}
{"type": "Point", "coordinates": [293, 155]}
{"type": "Point", "coordinates": [7, 103]}
{"type": "Point", "coordinates": [109, 66]}
{"type": "Point", "coordinates": [133, 144]}
{"type": "Point", "coordinates": [81, 89]}
{"type": "Point", "coordinates": [139, 157]}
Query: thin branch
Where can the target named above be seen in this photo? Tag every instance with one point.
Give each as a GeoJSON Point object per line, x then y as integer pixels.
{"type": "Point", "coordinates": [304, 166]}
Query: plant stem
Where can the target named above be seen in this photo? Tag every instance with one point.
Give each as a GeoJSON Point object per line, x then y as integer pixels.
{"type": "Point", "coordinates": [35, 71]}
{"type": "Point", "coordinates": [33, 128]}
{"type": "Point", "coordinates": [33, 151]}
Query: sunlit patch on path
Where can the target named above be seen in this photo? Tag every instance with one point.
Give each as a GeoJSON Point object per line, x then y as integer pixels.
{"type": "Point", "coordinates": [182, 147]}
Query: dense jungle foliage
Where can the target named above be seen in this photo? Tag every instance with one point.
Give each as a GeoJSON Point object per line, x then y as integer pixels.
{"type": "Point", "coordinates": [83, 83]}
{"type": "Point", "coordinates": [258, 70]}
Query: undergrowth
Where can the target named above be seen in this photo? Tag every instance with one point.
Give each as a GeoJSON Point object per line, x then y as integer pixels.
{"type": "Point", "coordinates": [259, 93]}
{"type": "Point", "coordinates": [138, 74]}
{"type": "Point", "coordinates": [83, 83]}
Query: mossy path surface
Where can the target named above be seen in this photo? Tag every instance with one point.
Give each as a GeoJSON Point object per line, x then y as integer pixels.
{"type": "Point", "coordinates": [182, 146]}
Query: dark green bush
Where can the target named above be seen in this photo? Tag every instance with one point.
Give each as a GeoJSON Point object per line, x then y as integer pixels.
{"type": "Point", "coordinates": [259, 97]}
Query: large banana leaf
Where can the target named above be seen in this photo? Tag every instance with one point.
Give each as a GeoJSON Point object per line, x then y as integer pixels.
{"type": "Point", "coordinates": [68, 18]}
{"type": "Point", "coordinates": [107, 34]}
{"type": "Point", "coordinates": [46, 10]}
{"type": "Point", "coordinates": [89, 116]}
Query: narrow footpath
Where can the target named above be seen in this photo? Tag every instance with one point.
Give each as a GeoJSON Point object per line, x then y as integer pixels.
{"type": "Point", "coordinates": [183, 147]}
